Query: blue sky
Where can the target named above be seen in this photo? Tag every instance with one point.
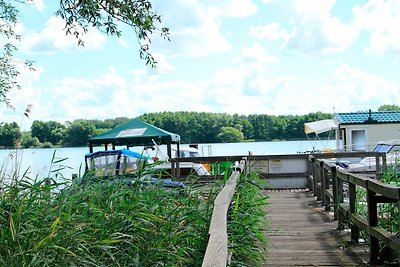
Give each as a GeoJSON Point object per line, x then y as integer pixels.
{"type": "Point", "coordinates": [274, 57]}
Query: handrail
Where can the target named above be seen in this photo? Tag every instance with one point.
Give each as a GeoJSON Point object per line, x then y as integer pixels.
{"type": "Point", "coordinates": [328, 182]}
{"type": "Point", "coordinates": [217, 249]}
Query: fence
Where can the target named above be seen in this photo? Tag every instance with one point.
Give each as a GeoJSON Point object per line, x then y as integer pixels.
{"type": "Point", "coordinates": [337, 188]}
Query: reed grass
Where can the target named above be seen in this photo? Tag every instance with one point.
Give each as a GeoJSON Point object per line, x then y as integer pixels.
{"type": "Point", "coordinates": [388, 213]}
{"type": "Point", "coordinates": [55, 222]}
{"type": "Point", "coordinates": [101, 224]}
{"type": "Point", "coordinates": [247, 222]}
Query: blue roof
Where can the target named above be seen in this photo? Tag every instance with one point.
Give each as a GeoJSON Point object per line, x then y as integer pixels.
{"type": "Point", "coordinates": [115, 152]}
{"type": "Point", "coordinates": [368, 117]}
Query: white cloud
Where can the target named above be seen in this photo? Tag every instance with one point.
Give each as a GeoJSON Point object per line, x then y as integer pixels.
{"type": "Point", "coordinates": [235, 8]}
{"type": "Point", "coordinates": [255, 54]}
{"type": "Point", "coordinates": [38, 4]}
{"type": "Point", "coordinates": [318, 30]}
{"type": "Point", "coordinates": [317, 34]}
{"type": "Point", "coordinates": [267, 1]}
{"type": "Point", "coordinates": [364, 90]}
{"type": "Point", "coordinates": [272, 31]}
{"type": "Point", "coordinates": [381, 20]}
{"type": "Point", "coordinates": [320, 8]}
{"type": "Point", "coordinates": [53, 38]}
{"type": "Point", "coordinates": [163, 65]}
{"type": "Point", "coordinates": [311, 28]}
{"type": "Point", "coordinates": [195, 28]}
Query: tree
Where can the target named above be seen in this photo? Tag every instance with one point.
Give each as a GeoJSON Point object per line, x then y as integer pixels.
{"type": "Point", "coordinates": [230, 135]}
{"type": "Point", "coordinates": [388, 107]}
{"type": "Point", "coordinates": [50, 131]}
{"type": "Point", "coordinates": [106, 15]}
{"type": "Point", "coordinates": [31, 142]}
{"type": "Point", "coordinates": [78, 133]}
{"type": "Point", "coordinates": [8, 64]}
{"type": "Point", "coordinates": [10, 134]}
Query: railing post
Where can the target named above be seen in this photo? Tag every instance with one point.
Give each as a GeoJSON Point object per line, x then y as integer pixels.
{"type": "Point", "coordinates": [372, 221]}
{"type": "Point", "coordinates": [314, 175]}
{"type": "Point", "coordinates": [355, 231]}
{"type": "Point", "coordinates": [340, 199]}
{"type": "Point", "coordinates": [309, 173]}
{"type": "Point", "coordinates": [378, 172]}
{"type": "Point", "coordinates": [320, 179]}
{"type": "Point", "coordinates": [334, 191]}
{"type": "Point", "coordinates": [324, 186]}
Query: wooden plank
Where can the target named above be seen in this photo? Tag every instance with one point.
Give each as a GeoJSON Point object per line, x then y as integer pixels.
{"type": "Point", "coordinates": [383, 189]}
{"type": "Point", "coordinates": [359, 221]}
{"type": "Point", "coordinates": [358, 179]}
{"type": "Point", "coordinates": [329, 193]}
{"type": "Point", "coordinates": [343, 175]}
{"type": "Point", "coordinates": [301, 233]}
{"type": "Point", "coordinates": [217, 248]}
{"type": "Point", "coordinates": [389, 239]}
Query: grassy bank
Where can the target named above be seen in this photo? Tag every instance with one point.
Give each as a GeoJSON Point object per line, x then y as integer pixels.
{"type": "Point", "coordinates": [112, 224]}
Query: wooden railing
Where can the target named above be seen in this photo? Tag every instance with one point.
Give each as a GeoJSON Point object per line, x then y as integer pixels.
{"type": "Point", "coordinates": [329, 183]}
{"type": "Point", "coordinates": [217, 249]}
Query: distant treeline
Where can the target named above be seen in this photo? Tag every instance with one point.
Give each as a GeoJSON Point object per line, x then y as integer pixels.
{"type": "Point", "coordinates": [193, 127]}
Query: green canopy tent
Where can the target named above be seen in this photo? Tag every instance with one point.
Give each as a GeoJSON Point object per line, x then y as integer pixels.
{"type": "Point", "coordinates": [135, 133]}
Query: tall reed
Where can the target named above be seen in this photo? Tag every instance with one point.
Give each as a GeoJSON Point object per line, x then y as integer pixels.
{"type": "Point", "coordinates": [247, 222]}
{"type": "Point", "coordinates": [51, 221]}
{"type": "Point", "coordinates": [101, 224]}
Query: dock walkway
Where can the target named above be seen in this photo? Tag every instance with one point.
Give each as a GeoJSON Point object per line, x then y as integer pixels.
{"type": "Point", "coordinates": [302, 234]}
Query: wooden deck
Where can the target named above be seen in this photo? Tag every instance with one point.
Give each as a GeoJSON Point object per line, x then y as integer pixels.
{"type": "Point", "coordinates": [303, 234]}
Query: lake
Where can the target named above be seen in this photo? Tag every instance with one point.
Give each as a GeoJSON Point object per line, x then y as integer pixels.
{"type": "Point", "coordinates": [37, 162]}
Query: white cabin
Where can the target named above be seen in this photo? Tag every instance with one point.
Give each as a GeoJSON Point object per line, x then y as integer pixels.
{"type": "Point", "coordinates": [361, 131]}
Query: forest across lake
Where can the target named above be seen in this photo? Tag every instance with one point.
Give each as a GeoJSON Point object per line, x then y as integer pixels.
{"type": "Point", "coordinates": [193, 127]}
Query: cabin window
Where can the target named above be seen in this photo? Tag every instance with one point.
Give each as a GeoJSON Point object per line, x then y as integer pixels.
{"type": "Point", "coordinates": [358, 140]}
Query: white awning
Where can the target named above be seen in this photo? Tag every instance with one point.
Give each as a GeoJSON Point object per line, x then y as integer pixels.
{"type": "Point", "coordinates": [318, 127]}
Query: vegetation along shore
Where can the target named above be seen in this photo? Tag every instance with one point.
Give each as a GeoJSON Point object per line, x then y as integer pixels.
{"type": "Point", "coordinates": [193, 127]}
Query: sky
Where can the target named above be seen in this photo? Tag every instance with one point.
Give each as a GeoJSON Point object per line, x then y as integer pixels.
{"type": "Point", "coordinates": [275, 57]}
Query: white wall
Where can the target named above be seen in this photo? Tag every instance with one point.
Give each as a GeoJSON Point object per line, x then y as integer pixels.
{"type": "Point", "coordinates": [374, 132]}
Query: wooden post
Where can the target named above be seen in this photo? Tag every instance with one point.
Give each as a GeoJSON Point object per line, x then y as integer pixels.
{"type": "Point", "coordinates": [169, 154]}
{"type": "Point", "coordinates": [316, 178]}
{"type": "Point", "coordinates": [373, 221]}
{"type": "Point", "coordinates": [384, 165]}
{"type": "Point", "coordinates": [334, 191]}
{"type": "Point", "coordinates": [327, 178]}
{"type": "Point", "coordinates": [178, 155]}
{"type": "Point", "coordinates": [319, 180]}
{"type": "Point", "coordinates": [340, 199]}
{"type": "Point", "coordinates": [314, 174]}
{"type": "Point", "coordinates": [355, 232]}
{"type": "Point", "coordinates": [105, 147]}
{"type": "Point", "coordinates": [323, 185]}
{"type": "Point", "coordinates": [90, 148]}
{"type": "Point", "coordinates": [310, 173]}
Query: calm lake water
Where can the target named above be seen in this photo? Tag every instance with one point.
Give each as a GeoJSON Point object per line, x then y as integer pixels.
{"type": "Point", "coordinates": [37, 162]}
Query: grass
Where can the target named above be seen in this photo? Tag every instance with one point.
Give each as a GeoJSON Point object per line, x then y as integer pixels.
{"type": "Point", "coordinates": [247, 222]}
{"type": "Point", "coordinates": [45, 222]}
{"type": "Point", "coordinates": [388, 213]}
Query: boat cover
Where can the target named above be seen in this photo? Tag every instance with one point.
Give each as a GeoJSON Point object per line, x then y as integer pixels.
{"type": "Point", "coordinates": [318, 127]}
{"type": "Point", "coordinates": [122, 151]}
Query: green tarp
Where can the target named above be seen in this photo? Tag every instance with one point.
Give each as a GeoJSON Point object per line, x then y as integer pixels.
{"type": "Point", "coordinates": [135, 133]}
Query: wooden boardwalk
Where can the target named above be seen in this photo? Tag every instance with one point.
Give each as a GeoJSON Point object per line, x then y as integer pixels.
{"type": "Point", "coordinates": [302, 234]}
